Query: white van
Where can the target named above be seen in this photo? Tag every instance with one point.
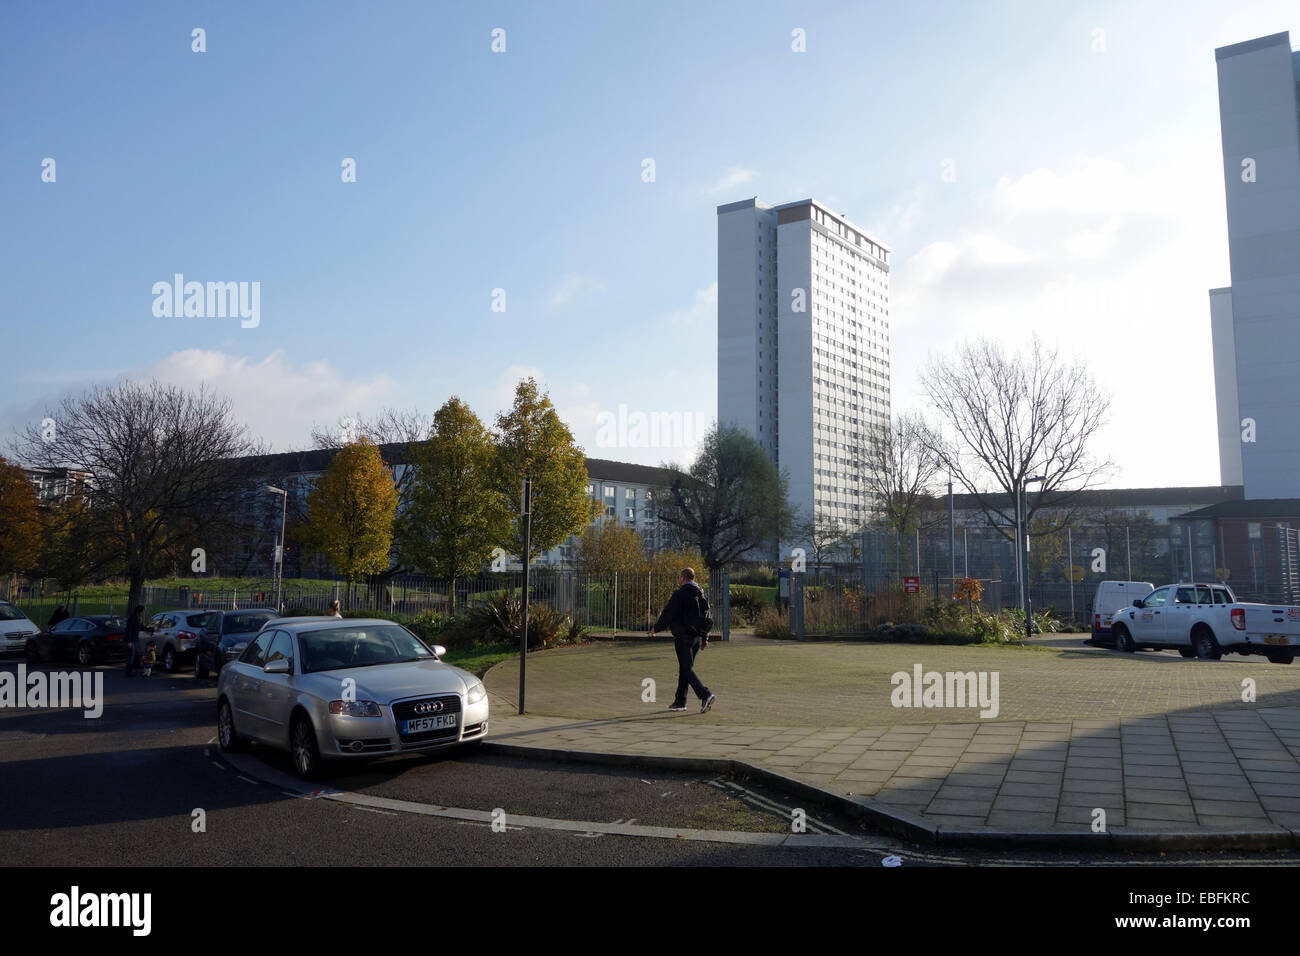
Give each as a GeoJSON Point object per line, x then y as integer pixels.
{"type": "Point", "coordinates": [1114, 596]}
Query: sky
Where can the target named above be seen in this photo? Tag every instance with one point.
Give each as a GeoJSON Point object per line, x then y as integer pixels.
{"type": "Point", "coordinates": [1036, 167]}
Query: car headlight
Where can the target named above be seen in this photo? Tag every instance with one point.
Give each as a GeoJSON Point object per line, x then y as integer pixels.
{"type": "Point", "coordinates": [476, 693]}
{"type": "Point", "coordinates": [355, 708]}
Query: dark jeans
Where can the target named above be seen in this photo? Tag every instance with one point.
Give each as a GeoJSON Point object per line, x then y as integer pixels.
{"type": "Point", "coordinates": [687, 648]}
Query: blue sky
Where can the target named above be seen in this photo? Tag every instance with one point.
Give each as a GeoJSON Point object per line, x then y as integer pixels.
{"type": "Point", "coordinates": [1087, 204]}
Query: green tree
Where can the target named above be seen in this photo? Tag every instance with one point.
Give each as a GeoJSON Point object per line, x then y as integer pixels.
{"type": "Point", "coordinates": [20, 524]}
{"type": "Point", "coordinates": [350, 512]}
{"type": "Point", "coordinates": [533, 442]}
{"type": "Point", "coordinates": [71, 552]}
{"type": "Point", "coordinates": [607, 547]}
{"type": "Point", "coordinates": [455, 515]}
{"type": "Point", "coordinates": [732, 500]}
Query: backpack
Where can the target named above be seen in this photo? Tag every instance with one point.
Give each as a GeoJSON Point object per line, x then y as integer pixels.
{"type": "Point", "coordinates": [697, 617]}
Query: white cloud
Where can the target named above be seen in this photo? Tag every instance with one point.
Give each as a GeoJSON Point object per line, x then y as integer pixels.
{"type": "Point", "coordinates": [702, 312]}
{"type": "Point", "coordinates": [1097, 259]}
{"type": "Point", "coordinates": [278, 399]}
{"type": "Point", "coordinates": [572, 290]}
{"type": "Point", "coordinates": [734, 177]}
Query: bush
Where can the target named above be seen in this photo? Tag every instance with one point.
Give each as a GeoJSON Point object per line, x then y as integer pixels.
{"type": "Point", "coordinates": [501, 618]}
{"type": "Point", "coordinates": [774, 624]}
{"type": "Point", "coordinates": [746, 606]}
{"type": "Point", "coordinates": [761, 576]}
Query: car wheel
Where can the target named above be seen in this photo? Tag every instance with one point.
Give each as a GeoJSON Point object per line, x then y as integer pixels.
{"type": "Point", "coordinates": [1207, 648]}
{"type": "Point", "coordinates": [229, 741]}
{"type": "Point", "coordinates": [303, 749]}
{"type": "Point", "coordinates": [1123, 642]}
{"type": "Point", "coordinates": [84, 656]}
{"type": "Point", "coordinates": [1281, 657]}
{"type": "Point", "coordinates": [169, 660]}
{"type": "Point", "coordinates": [1187, 651]}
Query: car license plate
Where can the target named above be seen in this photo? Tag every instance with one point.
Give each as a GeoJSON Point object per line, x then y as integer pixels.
{"type": "Point", "coordinates": [420, 725]}
{"type": "Point", "coordinates": [1276, 639]}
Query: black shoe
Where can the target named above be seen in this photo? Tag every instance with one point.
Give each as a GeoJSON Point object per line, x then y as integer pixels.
{"type": "Point", "coordinates": [707, 703]}
{"type": "Point", "coordinates": [677, 707]}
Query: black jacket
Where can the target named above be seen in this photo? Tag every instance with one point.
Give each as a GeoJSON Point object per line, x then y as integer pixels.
{"type": "Point", "coordinates": [673, 615]}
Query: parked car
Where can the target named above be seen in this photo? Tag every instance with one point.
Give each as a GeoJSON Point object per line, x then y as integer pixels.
{"type": "Point", "coordinates": [224, 636]}
{"type": "Point", "coordinates": [338, 689]}
{"type": "Point", "coordinates": [1113, 597]}
{"type": "Point", "coordinates": [1205, 620]}
{"type": "Point", "coordinates": [175, 635]}
{"type": "Point", "coordinates": [15, 628]}
{"type": "Point", "coordinates": [92, 639]}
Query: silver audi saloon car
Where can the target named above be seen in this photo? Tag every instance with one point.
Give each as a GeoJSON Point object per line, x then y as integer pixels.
{"type": "Point", "coordinates": [327, 689]}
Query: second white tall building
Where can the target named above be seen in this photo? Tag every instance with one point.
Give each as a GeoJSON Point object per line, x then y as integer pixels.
{"type": "Point", "coordinates": [803, 346]}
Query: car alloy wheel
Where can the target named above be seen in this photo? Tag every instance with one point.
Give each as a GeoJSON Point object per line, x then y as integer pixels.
{"type": "Point", "coordinates": [306, 755]}
{"type": "Point", "coordinates": [169, 660]}
{"type": "Point", "coordinates": [83, 655]}
{"type": "Point", "coordinates": [227, 739]}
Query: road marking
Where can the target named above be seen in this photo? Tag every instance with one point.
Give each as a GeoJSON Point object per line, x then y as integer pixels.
{"type": "Point", "coordinates": [217, 765]}
{"type": "Point", "coordinates": [247, 779]}
{"type": "Point", "coordinates": [387, 813]}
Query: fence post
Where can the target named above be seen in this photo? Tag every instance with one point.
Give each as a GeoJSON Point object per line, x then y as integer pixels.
{"type": "Point", "coordinates": [796, 603]}
{"type": "Point", "coordinates": [616, 604]}
{"type": "Point", "coordinates": [649, 609]}
{"type": "Point", "coordinates": [726, 605]}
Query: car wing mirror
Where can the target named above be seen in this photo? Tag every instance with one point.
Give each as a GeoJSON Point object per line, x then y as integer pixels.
{"type": "Point", "coordinates": [439, 651]}
{"type": "Point", "coordinates": [277, 667]}
{"type": "Point", "coordinates": [1137, 603]}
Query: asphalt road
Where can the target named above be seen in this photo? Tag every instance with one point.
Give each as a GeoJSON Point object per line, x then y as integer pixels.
{"type": "Point", "coordinates": [123, 789]}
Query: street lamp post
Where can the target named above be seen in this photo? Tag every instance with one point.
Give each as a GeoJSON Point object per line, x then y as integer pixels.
{"type": "Point", "coordinates": [1022, 507]}
{"type": "Point", "coordinates": [279, 548]}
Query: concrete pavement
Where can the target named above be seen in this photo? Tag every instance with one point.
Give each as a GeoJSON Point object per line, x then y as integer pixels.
{"type": "Point", "coordinates": [1155, 747]}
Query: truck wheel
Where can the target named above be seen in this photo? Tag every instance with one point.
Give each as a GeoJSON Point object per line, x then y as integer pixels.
{"type": "Point", "coordinates": [1123, 642]}
{"type": "Point", "coordinates": [1281, 657]}
{"type": "Point", "coordinates": [1207, 648]}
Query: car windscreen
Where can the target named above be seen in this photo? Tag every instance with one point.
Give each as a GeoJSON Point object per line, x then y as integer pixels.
{"type": "Point", "coordinates": [197, 620]}
{"type": "Point", "coordinates": [110, 623]}
{"type": "Point", "coordinates": [10, 613]}
{"type": "Point", "coordinates": [334, 648]}
{"type": "Point", "coordinates": [246, 623]}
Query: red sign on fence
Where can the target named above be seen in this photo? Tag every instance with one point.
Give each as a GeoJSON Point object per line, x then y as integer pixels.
{"type": "Point", "coordinates": [911, 585]}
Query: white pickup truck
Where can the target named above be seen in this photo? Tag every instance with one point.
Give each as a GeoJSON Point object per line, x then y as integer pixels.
{"type": "Point", "coordinates": [1206, 621]}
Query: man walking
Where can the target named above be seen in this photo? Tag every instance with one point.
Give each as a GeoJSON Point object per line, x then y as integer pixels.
{"type": "Point", "coordinates": [685, 615]}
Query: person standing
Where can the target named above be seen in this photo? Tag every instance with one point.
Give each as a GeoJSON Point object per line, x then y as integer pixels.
{"type": "Point", "coordinates": [60, 614]}
{"type": "Point", "coordinates": [135, 626]}
{"type": "Point", "coordinates": [686, 615]}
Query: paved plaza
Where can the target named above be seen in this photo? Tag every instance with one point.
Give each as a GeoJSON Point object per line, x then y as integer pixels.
{"type": "Point", "coordinates": [1159, 743]}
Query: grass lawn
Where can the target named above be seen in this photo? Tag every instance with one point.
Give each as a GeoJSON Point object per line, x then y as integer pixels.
{"type": "Point", "coordinates": [479, 657]}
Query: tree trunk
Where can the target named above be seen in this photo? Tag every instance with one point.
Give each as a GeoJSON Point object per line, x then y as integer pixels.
{"type": "Point", "coordinates": [453, 596]}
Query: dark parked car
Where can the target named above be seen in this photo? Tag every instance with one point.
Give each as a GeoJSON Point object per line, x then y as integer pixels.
{"type": "Point", "coordinates": [87, 640]}
{"type": "Point", "coordinates": [225, 635]}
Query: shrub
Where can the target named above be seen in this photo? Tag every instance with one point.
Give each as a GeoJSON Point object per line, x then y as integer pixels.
{"type": "Point", "coordinates": [774, 624]}
{"type": "Point", "coordinates": [500, 619]}
{"type": "Point", "coordinates": [746, 606]}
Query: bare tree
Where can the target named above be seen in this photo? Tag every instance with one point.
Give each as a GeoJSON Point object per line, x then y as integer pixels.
{"type": "Point", "coordinates": [165, 469]}
{"type": "Point", "coordinates": [823, 536]}
{"type": "Point", "coordinates": [899, 472]}
{"type": "Point", "coordinates": [1008, 417]}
